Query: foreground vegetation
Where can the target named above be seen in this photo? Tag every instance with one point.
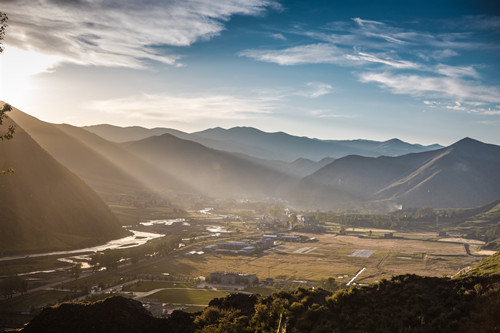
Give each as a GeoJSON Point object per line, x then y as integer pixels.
{"type": "Point", "coordinates": [406, 303]}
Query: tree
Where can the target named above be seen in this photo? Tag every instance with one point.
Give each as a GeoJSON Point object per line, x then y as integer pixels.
{"type": "Point", "coordinates": [108, 259]}
{"type": "Point", "coordinates": [329, 284]}
{"type": "Point", "coordinates": [7, 135]}
{"type": "Point", "coordinates": [76, 270]}
{"type": "Point", "coordinates": [6, 107]}
{"type": "Point", "coordinates": [3, 26]}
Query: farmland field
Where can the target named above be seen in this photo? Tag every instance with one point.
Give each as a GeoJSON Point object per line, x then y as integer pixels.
{"type": "Point", "coordinates": [186, 296]}
{"type": "Point", "coordinates": [332, 256]}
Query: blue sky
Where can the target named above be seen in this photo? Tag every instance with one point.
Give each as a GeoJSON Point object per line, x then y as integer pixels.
{"type": "Point", "coordinates": [423, 71]}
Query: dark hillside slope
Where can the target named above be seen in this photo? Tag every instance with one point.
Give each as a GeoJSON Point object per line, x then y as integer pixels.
{"type": "Point", "coordinates": [352, 180]}
{"type": "Point", "coordinates": [99, 172]}
{"type": "Point", "coordinates": [483, 221]}
{"type": "Point", "coordinates": [107, 167]}
{"type": "Point", "coordinates": [209, 170]}
{"type": "Point", "coordinates": [44, 206]}
{"type": "Point", "coordinates": [150, 174]}
{"type": "Point", "coordinates": [463, 175]}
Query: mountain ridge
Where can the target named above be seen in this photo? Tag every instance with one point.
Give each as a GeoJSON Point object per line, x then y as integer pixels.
{"type": "Point", "coordinates": [278, 145]}
{"type": "Point", "coordinates": [465, 174]}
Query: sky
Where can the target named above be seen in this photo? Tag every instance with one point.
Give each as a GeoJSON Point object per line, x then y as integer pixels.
{"type": "Point", "coordinates": [422, 71]}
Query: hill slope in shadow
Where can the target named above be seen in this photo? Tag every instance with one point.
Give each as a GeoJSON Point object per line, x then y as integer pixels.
{"type": "Point", "coordinates": [44, 206]}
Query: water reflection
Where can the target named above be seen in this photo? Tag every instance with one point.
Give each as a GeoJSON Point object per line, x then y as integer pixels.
{"type": "Point", "coordinates": [136, 239]}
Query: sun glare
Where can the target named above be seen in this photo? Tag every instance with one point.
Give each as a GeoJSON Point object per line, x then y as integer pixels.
{"type": "Point", "coordinates": [17, 70]}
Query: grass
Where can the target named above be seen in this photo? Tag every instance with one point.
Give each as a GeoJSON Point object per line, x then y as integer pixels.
{"type": "Point", "coordinates": [260, 290]}
{"type": "Point", "coordinates": [187, 296]}
{"type": "Point", "coordinates": [487, 267]}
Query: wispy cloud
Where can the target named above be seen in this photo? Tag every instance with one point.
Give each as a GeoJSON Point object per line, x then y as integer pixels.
{"type": "Point", "coordinates": [186, 108]}
{"type": "Point", "coordinates": [457, 71]}
{"type": "Point", "coordinates": [306, 54]}
{"type": "Point", "coordinates": [492, 111]}
{"type": "Point", "coordinates": [410, 61]}
{"type": "Point", "coordinates": [191, 108]}
{"type": "Point", "coordinates": [366, 57]}
{"type": "Point", "coordinates": [322, 113]}
{"type": "Point", "coordinates": [324, 53]}
{"type": "Point", "coordinates": [443, 86]}
{"type": "Point", "coordinates": [278, 36]}
{"type": "Point", "coordinates": [379, 30]}
{"type": "Point", "coordinates": [123, 33]}
{"type": "Point", "coordinates": [318, 89]}
{"type": "Point", "coordinates": [438, 54]}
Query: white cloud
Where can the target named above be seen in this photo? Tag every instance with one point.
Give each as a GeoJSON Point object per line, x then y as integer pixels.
{"type": "Point", "coordinates": [442, 54]}
{"type": "Point", "coordinates": [278, 36]}
{"type": "Point", "coordinates": [305, 54]}
{"type": "Point", "coordinates": [322, 113]}
{"type": "Point", "coordinates": [323, 53]}
{"type": "Point", "coordinates": [119, 33]}
{"type": "Point", "coordinates": [363, 23]}
{"type": "Point", "coordinates": [186, 108]}
{"type": "Point", "coordinates": [363, 56]}
{"type": "Point", "coordinates": [380, 30]}
{"type": "Point", "coordinates": [491, 111]}
{"type": "Point", "coordinates": [442, 86]}
{"type": "Point", "coordinates": [318, 89]}
{"type": "Point", "coordinates": [396, 52]}
{"type": "Point", "coordinates": [457, 71]}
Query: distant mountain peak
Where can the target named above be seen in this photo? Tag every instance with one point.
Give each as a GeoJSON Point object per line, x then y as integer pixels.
{"type": "Point", "coordinates": [395, 140]}
{"type": "Point", "coordinates": [467, 140]}
{"type": "Point", "coordinates": [467, 143]}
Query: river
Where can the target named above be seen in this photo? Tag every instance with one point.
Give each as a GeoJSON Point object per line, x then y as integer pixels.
{"type": "Point", "coordinates": [138, 238]}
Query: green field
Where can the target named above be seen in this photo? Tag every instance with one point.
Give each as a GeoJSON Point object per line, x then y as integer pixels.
{"type": "Point", "coordinates": [260, 290]}
{"type": "Point", "coordinates": [143, 286]}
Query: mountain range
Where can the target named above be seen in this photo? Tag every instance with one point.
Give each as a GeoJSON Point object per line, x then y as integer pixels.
{"type": "Point", "coordinates": [170, 162]}
{"type": "Point", "coordinates": [465, 174]}
{"type": "Point", "coordinates": [270, 146]}
{"type": "Point", "coordinates": [163, 167]}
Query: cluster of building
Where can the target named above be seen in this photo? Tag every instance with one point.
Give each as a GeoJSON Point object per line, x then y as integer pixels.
{"type": "Point", "coordinates": [290, 238]}
{"type": "Point", "coordinates": [248, 247]}
{"type": "Point", "coordinates": [291, 221]}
